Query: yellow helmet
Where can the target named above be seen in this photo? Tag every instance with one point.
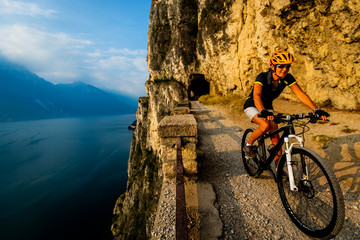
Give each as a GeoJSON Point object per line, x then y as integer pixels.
{"type": "Point", "coordinates": [282, 57]}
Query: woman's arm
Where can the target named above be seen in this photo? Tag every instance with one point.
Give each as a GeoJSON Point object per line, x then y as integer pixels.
{"type": "Point", "coordinates": [303, 97]}
{"type": "Point", "coordinates": [257, 97]}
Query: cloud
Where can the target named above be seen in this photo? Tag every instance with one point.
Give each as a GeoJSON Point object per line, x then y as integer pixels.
{"type": "Point", "coordinates": [60, 58]}
{"type": "Point", "coordinates": [131, 82]}
{"type": "Point", "coordinates": [41, 50]}
{"type": "Point", "coordinates": [140, 64]}
{"type": "Point", "coordinates": [126, 51]}
{"type": "Point", "coordinates": [124, 63]}
{"type": "Point", "coordinates": [126, 73]}
{"type": "Point", "coordinates": [115, 62]}
{"type": "Point", "coordinates": [23, 8]}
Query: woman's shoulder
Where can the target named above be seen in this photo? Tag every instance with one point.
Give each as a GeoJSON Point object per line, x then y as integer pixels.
{"type": "Point", "coordinates": [289, 77]}
{"type": "Point", "coordinates": [289, 80]}
{"type": "Point", "coordinates": [262, 76]}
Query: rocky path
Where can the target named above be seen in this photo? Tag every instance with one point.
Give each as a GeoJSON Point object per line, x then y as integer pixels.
{"type": "Point", "coordinates": [249, 208]}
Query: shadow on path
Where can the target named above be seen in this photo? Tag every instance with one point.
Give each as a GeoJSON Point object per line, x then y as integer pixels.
{"type": "Point", "coordinates": [238, 200]}
{"type": "Point", "coordinates": [343, 154]}
{"type": "Point", "coordinates": [219, 157]}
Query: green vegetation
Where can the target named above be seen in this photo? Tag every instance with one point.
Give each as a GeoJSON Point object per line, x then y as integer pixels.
{"type": "Point", "coordinates": [322, 139]}
{"type": "Point", "coordinates": [143, 187]}
{"type": "Point", "coordinates": [346, 129]}
{"type": "Point", "coordinates": [235, 101]}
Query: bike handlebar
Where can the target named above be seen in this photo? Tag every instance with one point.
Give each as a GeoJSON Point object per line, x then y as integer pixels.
{"type": "Point", "coordinates": [280, 117]}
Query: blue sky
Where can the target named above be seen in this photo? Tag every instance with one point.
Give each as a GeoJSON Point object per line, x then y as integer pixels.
{"type": "Point", "coordinates": [102, 43]}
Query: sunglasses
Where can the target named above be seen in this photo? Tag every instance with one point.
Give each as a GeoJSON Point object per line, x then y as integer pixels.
{"type": "Point", "coordinates": [283, 66]}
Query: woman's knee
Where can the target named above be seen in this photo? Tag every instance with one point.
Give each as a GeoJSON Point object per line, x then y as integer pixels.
{"type": "Point", "coordinates": [264, 126]}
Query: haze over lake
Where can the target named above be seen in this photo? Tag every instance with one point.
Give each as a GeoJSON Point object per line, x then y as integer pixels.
{"type": "Point", "coordinates": [60, 178]}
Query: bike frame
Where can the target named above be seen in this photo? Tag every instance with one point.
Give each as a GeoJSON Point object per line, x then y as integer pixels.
{"type": "Point", "coordinates": [324, 222]}
{"type": "Point", "coordinates": [288, 133]}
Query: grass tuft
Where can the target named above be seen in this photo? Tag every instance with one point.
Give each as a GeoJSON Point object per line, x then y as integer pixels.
{"type": "Point", "coordinates": [322, 139]}
{"type": "Point", "coordinates": [233, 100]}
{"type": "Point", "coordinates": [346, 129]}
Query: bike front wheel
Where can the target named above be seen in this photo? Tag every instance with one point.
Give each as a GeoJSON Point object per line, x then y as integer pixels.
{"type": "Point", "coordinates": [252, 164]}
{"type": "Point", "coordinates": [317, 206]}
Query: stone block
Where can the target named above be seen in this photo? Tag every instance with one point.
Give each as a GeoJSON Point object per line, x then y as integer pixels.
{"type": "Point", "coordinates": [183, 103]}
{"type": "Point", "coordinates": [188, 154]}
{"type": "Point", "coordinates": [167, 152]}
{"type": "Point", "coordinates": [178, 126]}
{"type": "Point", "coordinates": [181, 110]}
{"type": "Point", "coordinates": [190, 167]}
{"type": "Point", "coordinates": [169, 171]}
{"type": "Point", "coordinates": [190, 146]}
{"type": "Point", "coordinates": [168, 156]}
{"type": "Point", "coordinates": [169, 142]}
{"type": "Point", "coordinates": [189, 139]}
{"type": "Point", "coordinates": [187, 142]}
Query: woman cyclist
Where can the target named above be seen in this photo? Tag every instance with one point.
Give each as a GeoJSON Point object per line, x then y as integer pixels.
{"type": "Point", "coordinates": [268, 86]}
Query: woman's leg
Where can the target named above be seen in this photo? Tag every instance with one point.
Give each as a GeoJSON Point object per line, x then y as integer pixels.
{"type": "Point", "coordinates": [275, 140]}
{"type": "Point", "coordinates": [264, 127]}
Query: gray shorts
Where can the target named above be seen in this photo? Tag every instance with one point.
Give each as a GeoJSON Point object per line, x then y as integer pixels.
{"type": "Point", "coordinates": [252, 111]}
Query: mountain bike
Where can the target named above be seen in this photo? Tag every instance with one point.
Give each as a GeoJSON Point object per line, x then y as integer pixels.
{"type": "Point", "coordinates": [308, 188]}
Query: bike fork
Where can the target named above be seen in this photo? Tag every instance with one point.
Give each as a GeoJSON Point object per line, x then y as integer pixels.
{"type": "Point", "coordinates": [288, 158]}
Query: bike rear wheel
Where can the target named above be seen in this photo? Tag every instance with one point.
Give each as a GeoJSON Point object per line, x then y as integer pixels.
{"type": "Point", "coordinates": [252, 165]}
{"type": "Point", "coordinates": [317, 207]}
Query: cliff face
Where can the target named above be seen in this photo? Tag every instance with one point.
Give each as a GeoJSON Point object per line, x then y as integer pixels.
{"type": "Point", "coordinates": [228, 43]}
{"type": "Point", "coordinates": [134, 212]}
{"type": "Point", "coordinates": [231, 41]}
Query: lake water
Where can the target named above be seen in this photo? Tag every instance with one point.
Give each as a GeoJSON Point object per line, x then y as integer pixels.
{"type": "Point", "coordinates": [60, 178]}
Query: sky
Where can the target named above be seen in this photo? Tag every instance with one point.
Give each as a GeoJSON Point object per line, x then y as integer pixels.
{"type": "Point", "coordinates": [102, 43]}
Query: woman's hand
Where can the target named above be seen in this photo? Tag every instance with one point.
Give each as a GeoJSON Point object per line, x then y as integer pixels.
{"type": "Point", "coordinates": [322, 114]}
{"type": "Point", "coordinates": [269, 115]}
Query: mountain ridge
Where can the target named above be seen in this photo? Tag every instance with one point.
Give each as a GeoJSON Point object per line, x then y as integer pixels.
{"type": "Point", "coordinates": [26, 96]}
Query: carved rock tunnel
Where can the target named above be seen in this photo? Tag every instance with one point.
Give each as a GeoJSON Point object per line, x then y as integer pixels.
{"type": "Point", "coordinates": [198, 86]}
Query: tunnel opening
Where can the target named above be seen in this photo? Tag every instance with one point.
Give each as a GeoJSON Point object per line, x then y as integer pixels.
{"type": "Point", "coordinates": [198, 86]}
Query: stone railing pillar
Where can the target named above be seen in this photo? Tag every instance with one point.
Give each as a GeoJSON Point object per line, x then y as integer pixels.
{"type": "Point", "coordinates": [170, 128]}
{"type": "Point", "coordinates": [182, 108]}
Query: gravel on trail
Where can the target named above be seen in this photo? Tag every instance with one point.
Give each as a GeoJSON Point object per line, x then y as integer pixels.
{"type": "Point", "coordinates": [249, 208]}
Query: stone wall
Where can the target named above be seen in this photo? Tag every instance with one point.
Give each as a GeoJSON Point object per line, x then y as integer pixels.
{"type": "Point", "coordinates": [135, 210]}
{"type": "Point", "coordinates": [230, 42]}
{"type": "Point", "coordinates": [171, 128]}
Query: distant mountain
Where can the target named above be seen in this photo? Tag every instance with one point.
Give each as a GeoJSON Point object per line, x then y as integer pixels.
{"type": "Point", "coordinates": [26, 96]}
